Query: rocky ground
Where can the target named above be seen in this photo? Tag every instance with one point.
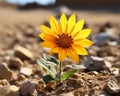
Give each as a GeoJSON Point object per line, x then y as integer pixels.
{"type": "Point", "coordinates": [20, 75]}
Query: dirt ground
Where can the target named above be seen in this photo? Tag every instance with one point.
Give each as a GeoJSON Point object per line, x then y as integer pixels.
{"type": "Point", "coordinates": [20, 75]}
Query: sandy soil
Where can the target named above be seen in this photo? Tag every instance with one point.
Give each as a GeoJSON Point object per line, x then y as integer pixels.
{"type": "Point", "coordinates": [10, 15]}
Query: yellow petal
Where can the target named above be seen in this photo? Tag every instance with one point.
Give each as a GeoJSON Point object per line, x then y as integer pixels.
{"type": "Point", "coordinates": [73, 54]}
{"type": "Point", "coordinates": [47, 30]}
{"type": "Point", "coordinates": [47, 37]}
{"type": "Point", "coordinates": [62, 54]}
{"type": "Point", "coordinates": [63, 22]}
{"type": "Point", "coordinates": [54, 24]}
{"type": "Point", "coordinates": [84, 42]}
{"type": "Point", "coordinates": [71, 23]}
{"type": "Point", "coordinates": [78, 27]}
{"type": "Point", "coordinates": [83, 34]}
{"type": "Point", "coordinates": [48, 44]}
{"type": "Point", "coordinates": [80, 50]}
{"type": "Point", "coordinates": [41, 35]}
{"type": "Point", "coordinates": [54, 50]}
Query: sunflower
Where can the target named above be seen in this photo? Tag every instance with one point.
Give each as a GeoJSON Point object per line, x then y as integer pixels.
{"type": "Point", "coordinates": [67, 38]}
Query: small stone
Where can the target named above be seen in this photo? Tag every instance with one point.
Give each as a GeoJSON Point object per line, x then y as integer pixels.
{"type": "Point", "coordinates": [116, 71]}
{"type": "Point", "coordinates": [95, 63]}
{"type": "Point", "coordinates": [26, 71]}
{"type": "Point", "coordinates": [110, 58]}
{"type": "Point", "coordinates": [76, 76]}
{"type": "Point", "coordinates": [51, 85]}
{"type": "Point", "coordinates": [103, 93]}
{"type": "Point", "coordinates": [100, 38]}
{"type": "Point", "coordinates": [41, 85]}
{"type": "Point", "coordinates": [15, 74]}
{"type": "Point", "coordinates": [63, 9]}
{"type": "Point", "coordinates": [9, 91]}
{"type": "Point", "coordinates": [21, 77]}
{"type": "Point", "coordinates": [4, 82]}
{"type": "Point", "coordinates": [72, 83]}
{"type": "Point", "coordinates": [95, 72]}
{"type": "Point", "coordinates": [112, 43]}
{"type": "Point", "coordinates": [117, 64]}
{"type": "Point", "coordinates": [107, 66]}
{"type": "Point", "coordinates": [5, 72]}
{"type": "Point", "coordinates": [93, 50]}
{"type": "Point", "coordinates": [112, 87]}
{"type": "Point", "coordinates": [112, 32]}
{"type": "Point", "coordinates": [23, 53]}
{"type": "Point", "coordinates": [28, 88]}
{"type": "Point", "coordinates": [67, 94]}
{"type": "Point", "coordinates": [15, 63]}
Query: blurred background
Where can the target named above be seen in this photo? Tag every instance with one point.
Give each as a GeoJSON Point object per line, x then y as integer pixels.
{"type": "Point", "coordinates": [22, 18]}
{"type": "Point", "coordinates": [37, 9]}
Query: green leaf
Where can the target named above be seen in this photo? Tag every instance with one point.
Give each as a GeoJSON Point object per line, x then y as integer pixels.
{"type": "Point", "coordinates": [47, 78]}
{"type": "Point", "coordinates": [68, 74]}
{"type": "Point", "coordinates": [49, 65]}
{"type": "Point", "coordinates": [48, 68]}
{"type": "Point", "coordinates": [50, 59]}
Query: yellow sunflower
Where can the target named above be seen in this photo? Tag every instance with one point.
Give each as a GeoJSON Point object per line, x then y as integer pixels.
{"type": "Point", "coordinates": [66, 37]}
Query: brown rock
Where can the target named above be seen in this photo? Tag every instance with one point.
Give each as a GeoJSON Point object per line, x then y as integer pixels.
{"type": "Point", "coordinates": [9, 91]}
{"type": "Point", "coordinates": [21, 77]}
{"type": "Point", "coordinates": [63, 9]}
{"type": "Point", "coordinates": [41, 85]}
{"type": "Point", "coordinates": [4, 82]}
{"type": "Point", "coordinates": [15, 63]}
{"type": "Point", "coordinates": [28, 88]}
{"type": "Point", "coordinates": [51, 85]}
{"type": "Point", "coordinates": [26, 71]}
{"type": "Point", "coordinates": [5, 72]}
{"type": "Point", "coordinates": [73, 83]}
{"type": "Point", "coordinates": [115, 71]}
{"type": "Point", "coordinates": [67, 94]}
{"type": "Point", "coordinates": [95, 72]}
{"type": "Point", "coordinates": [97, 63]}
{"type": "Point", "coordinates": [117, 64]}
{"type": "Point", "coordinates": [76, 76]}
{"type": "Point", "coordinates": [112, 87]}
{"type": "Point", "coordinates": [23, 53]}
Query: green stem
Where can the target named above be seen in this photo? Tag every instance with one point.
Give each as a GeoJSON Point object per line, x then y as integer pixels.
{"type": "Point", "coordinates": [60, 72]}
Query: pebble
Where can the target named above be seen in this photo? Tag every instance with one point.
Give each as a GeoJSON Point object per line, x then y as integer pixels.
{"type": "Point", "coordinates": [21, 77]}
{"type": "Point", "coordinates": [95, 73]}
{"type": "Point", "coordinates": [100, 38]}
{"type": "Point", "coordinates": [95, 63]}
{"type": "Point", "coordinates": [15, 63]}
{"type": "Point", "coordinates": [41, 85]}
{"type": "Point", "coordinates": [26, 71]}
{"type": "Point", "coordinates": [4, 82]}
{"type": "Point", "coordinates": [117, 64]}
{"type": "Point", "coordinates": [23, 53]}
{"type": "Point", "coordinates": [76, 76]}
{"type": "Point", "coordinates": [63, 9]}
{"type": "Point", "coordinates": [115, 71]}
{"type": "Point", "coordinates": [28, 88]}
{"type": "Point", "coordinates": [5, 72]}
{"type": "Point", "coordinates": [112, 87]}
{"type": "Point", "coordinates": [67, 94]}
{"type": "Point", "coordinates": [9, 91]}
{"type": "Point", "coordinates": [73, 83]}
{"type": "Point", "coordinates": [110, 58]}
{"type": "Point", "coordinates": [51, 85]}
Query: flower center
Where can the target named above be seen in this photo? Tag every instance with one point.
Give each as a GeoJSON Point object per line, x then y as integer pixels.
{"type": "Point", "coordinates": [64, 41]}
